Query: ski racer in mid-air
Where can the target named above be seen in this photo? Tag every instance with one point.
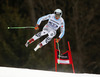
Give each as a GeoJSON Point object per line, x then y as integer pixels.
{"type": "Point", "coordinates": [55, 21]}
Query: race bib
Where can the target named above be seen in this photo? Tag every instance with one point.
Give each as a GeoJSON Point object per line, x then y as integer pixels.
{"type": "Point", "coordinates": [53, 25]}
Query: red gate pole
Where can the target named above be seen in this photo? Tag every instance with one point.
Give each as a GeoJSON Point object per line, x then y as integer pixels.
{"type": "Point", "coordinates": [73, 67]}
{"type": "Point", "coordinates": [55, 51]}
{"type": "Point", "coordinates": [71, 57]}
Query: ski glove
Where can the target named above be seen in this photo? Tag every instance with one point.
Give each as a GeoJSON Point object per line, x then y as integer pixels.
{"type": "Point", "coordinates": [36, 27]}
{"type": "Point", "coordinates": [57, 40]}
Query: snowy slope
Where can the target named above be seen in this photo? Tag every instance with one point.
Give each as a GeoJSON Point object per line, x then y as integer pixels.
{"type": "Point", "coordinates": [16, 72]}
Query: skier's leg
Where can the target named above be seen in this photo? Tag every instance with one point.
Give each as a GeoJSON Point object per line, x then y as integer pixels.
{"type": "Point", "coordinates": [46, 40]}
{"type": "Point", "coordinates": [35, 37]}
{"type": "Point", "coordinates": [39, 34]}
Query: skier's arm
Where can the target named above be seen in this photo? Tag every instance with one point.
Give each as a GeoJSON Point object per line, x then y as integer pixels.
{"type": "Point", "coordinates": [46, 17]}
{"type": "Point", "coordinates": [62, 30]}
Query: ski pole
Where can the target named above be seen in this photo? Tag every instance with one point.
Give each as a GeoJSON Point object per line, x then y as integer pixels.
{"type": "Point", "coordinates": [59, 52]}
{"type": "Point", "coordinates": [20, 27]}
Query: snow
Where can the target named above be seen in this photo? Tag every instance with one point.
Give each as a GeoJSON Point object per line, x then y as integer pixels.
{"type": "Point", "coordinates": [20, 72]}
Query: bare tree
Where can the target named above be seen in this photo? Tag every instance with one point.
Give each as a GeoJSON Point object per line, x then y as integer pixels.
{"type": "Point", "coordinates": [80, 18]}
{"type": "Point", "coordinates": [31, 4]}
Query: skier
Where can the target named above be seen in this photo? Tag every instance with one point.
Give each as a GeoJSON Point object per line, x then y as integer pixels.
{"type": "Point", "coordinates": [54, 22]}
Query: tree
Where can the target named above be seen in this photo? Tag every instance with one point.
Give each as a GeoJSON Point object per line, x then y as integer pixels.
{"type": "Point", "coordinates": [12, 50]}
{"type": "Point", "coordinates": [81, 18]}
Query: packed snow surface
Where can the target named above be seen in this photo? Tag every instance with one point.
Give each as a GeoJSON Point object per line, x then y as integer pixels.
{"type": "Point", "coordinates": [20, 72]}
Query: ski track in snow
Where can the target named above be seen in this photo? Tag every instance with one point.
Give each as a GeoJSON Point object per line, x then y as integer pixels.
{"type": "Point", "coordinates": [21, 72]}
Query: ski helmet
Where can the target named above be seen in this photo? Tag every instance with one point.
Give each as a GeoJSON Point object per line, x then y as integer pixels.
{"type": "Point", "coordinates": [58, 12]}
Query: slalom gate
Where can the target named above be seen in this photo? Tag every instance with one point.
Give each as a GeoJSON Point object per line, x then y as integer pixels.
{"type": "Point", "coordinates": [64, 58]}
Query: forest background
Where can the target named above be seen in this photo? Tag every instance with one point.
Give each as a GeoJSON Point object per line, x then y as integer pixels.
{"type": "Point", "coordinates": [82, 21]}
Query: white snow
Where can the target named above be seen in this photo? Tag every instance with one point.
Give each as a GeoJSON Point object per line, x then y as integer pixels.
{"type": "Point", "coordinates": [19, 72]}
